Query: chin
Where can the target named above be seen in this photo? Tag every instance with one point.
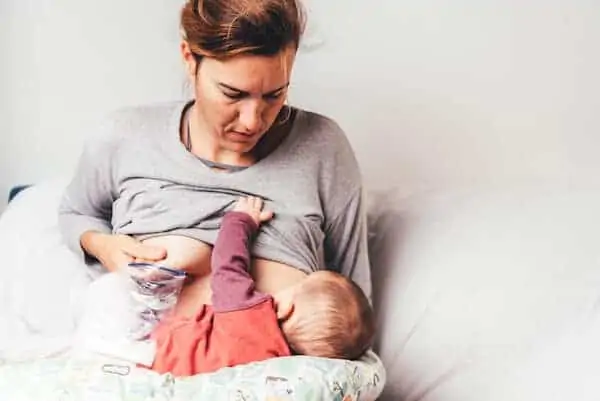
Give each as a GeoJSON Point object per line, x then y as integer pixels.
{"type": "Point", "coordinates": [240, 144]}
{"type": "Point", "coordinates": [240, 147]}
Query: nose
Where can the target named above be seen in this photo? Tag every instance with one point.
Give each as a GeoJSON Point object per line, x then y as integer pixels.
{"type": "Point", "coordinates": [250, 116]}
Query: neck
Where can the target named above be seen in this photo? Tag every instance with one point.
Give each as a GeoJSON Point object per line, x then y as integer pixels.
{"type": "Point", "coordinates": [205, 145]}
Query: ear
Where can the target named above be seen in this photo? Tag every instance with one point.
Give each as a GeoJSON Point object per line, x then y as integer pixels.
{"type": "Point", "coordinates": [284, 310]}
{"type": "Point", "coordinates": [188, 59]}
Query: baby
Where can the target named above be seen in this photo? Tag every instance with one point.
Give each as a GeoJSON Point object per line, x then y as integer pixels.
{"type": "Point", "coordinates": [325, 315]}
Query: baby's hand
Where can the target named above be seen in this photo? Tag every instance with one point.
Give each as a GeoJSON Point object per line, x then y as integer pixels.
{"type": "Point", "coordinates": [252, 206]}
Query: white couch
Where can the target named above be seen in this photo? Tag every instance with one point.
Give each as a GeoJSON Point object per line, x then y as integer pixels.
{"type": "Point", "coordinates": [481, 295]}
{"type": "Point", "coordinates": [489, 295]}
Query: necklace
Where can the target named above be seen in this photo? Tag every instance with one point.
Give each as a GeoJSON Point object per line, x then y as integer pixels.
{"type": "Point", "coordinates": [230, 168]}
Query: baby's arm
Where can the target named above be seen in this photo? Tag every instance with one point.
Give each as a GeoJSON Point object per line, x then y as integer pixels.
{"type": "Point", "coordinates": [244, 328]}
{"type": "Point", "coordinates": [232, 286]}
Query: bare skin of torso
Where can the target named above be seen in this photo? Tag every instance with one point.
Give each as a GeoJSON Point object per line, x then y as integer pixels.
{"type": "Point", "coordinates": [194, 256]}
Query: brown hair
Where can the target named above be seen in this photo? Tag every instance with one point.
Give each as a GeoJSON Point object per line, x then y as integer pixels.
{"type": "Point", "coordinates": [226, 28]}
{"type": "Point", "coordinates": [342, 322]}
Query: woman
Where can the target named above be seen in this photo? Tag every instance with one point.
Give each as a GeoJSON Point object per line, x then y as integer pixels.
{"type": "Point", "coordinates": [155, 181]}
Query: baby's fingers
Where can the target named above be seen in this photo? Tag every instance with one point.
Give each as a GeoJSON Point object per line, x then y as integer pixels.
{"type": "Point", "coordinates": [265, 215]}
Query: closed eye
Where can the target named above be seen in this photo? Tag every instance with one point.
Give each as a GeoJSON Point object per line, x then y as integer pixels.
{"type": "Point", "coordinates": [235, 95]}
{"type": "Point", "coordinates": [273, 96]}
{"type": "Point", "coordinates": [242, 95]}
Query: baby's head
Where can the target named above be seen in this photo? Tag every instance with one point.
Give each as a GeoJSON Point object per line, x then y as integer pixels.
{"type": "Point", "coordinates": [326, 315]}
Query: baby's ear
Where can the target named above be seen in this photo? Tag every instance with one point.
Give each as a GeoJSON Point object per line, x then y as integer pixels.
{"type": "Point", "coordinates": [284, 310]}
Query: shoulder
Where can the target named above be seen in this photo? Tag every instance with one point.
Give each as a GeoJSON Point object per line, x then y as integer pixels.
{"type": "Point", "coordinates": [128, 123]}
{"type": "Point", "coordinates": [327, 141]}
{"type": "Point", "coordinates": [146, 115]}
{"type": "Point", "coordinates": [320, 129]}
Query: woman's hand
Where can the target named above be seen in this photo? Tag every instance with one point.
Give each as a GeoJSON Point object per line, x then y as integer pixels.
{"type": "Point", "coordinates": [116, 251]}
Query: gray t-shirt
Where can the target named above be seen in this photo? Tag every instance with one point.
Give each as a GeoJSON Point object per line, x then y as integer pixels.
{"type": "Point", "coordinates": [135, 177]}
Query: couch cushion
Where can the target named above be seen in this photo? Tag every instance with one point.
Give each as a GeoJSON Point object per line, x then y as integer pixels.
{"type": "Point", "coordinates": [488, 295]}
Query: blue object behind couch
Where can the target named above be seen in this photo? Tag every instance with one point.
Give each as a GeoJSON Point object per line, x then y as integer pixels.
{"type": "Point", "coordinates": [14, 191]}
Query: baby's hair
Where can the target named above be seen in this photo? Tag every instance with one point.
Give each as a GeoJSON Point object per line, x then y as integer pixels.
{"type": "Point", "coordinates": [342, 324]}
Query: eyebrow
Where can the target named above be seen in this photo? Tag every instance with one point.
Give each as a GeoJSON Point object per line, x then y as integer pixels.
{"type": "Point", "coordinates": [243, 92]}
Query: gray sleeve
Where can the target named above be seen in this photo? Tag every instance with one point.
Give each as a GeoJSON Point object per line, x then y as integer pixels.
{"type": "Point", "coordinates": [345, 225]}
{"type": "Point", "coordinates": [346, 247]}
{"type": "Point", "coordinates": [87, 202]}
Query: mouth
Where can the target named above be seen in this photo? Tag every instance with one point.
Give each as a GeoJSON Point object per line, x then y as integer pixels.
{"type": "Point", "coordinates": [241, 136]}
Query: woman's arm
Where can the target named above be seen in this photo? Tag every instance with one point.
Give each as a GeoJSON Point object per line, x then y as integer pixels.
{"type": "Point", "coordinates": [86, 207]}
{"type": "Point", "coordinates": [346, 248]}
{"type": "Point", "coordinates": [345, 224]}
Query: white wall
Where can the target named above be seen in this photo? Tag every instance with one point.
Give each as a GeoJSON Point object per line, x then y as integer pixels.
{"type": "Point", "coordinates": [461, 92]}
{"type": "Point", "coordinates": [4, 105]}
{"type": "Point", "coordinates": [71, 61]}
{"type": "Point", "coordinates": [436, 93]}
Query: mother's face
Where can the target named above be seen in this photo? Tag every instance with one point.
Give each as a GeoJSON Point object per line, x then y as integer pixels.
{"type": "Point", "coordinates": [238, 99]}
